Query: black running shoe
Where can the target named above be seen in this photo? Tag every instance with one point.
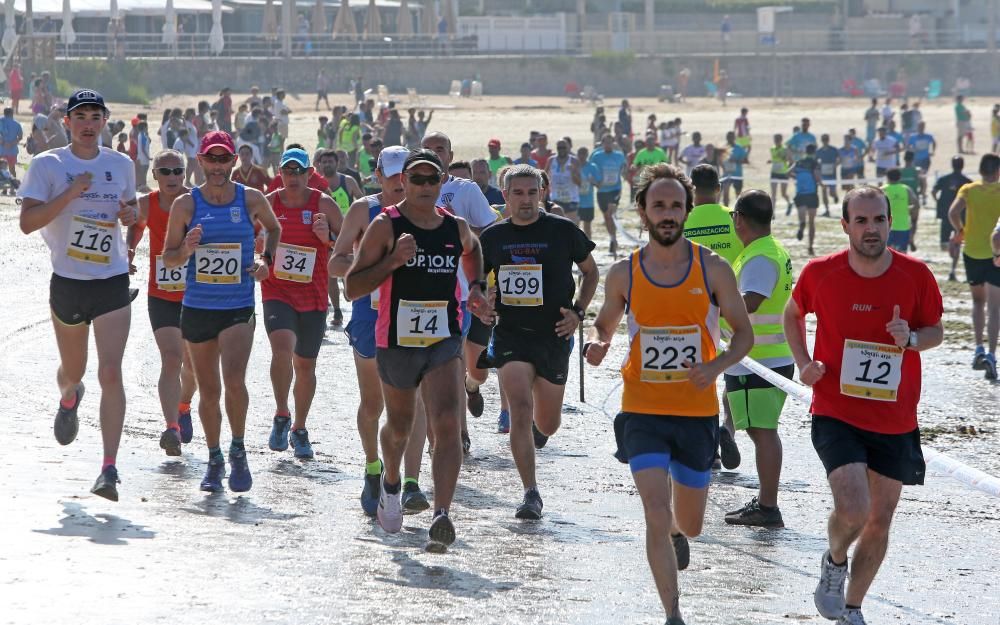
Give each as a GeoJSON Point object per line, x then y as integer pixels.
{"type": "Point", "coordinates": [338, 318]}
{"type": "Point", "coordinates": [531, 508]}
{"type": "Point", "coordinates": [413, 500]}
{"type": "Point", "coordinates": [682, 550]}
{"type": "Point", "coordinates": [466, 443]}
{"type": "Point", "coordinates": [441, 533]}
{"type": "Point", "coordinates": [801, 232]}
{"type": "Point", "coordinates": [105, 486]}
{"type": "Point", "coordinates": [67, 424]}
{"type": "Point", "coordinates": [132, 294]}
{"type": "Point", "coordinates": [540, 439]}
{"type": "Point", "coordinates": [476, 403]}
{"type": "Point", "coordinates": [754, 515]}
{"type": "Point", "coordinates": [170, 442]}
{"type": "Point", "coordinates": [730, 452]}
{"type": "Point", "coordinates": [675, 620]}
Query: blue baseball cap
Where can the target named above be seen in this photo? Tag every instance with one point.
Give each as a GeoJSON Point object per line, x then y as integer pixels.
{"type": "Point", "coordinates": [85, 97]}
{"type": "Point", "coordinates": [295, 155]}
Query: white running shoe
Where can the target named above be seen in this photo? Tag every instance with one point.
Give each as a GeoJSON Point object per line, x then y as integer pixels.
{"type": "Point", "coordinates": [390, 509]}
{"type": "Point", "coordinates": [851, 617]}
{"type": "Point", "coordinates": [829, 595]}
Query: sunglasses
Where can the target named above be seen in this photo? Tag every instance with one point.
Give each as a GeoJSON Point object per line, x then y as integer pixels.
{"type": "Point", "coordinates": [168, 171]}
{"type": "Point", "coordinates": [218, 158]}
{"type": "Point", "coordinates": [293, 171]}
{"type": "Point", "coordinates": [421, 179]}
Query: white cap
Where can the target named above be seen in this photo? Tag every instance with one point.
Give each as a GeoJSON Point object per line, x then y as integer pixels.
{"type": "Point", "coordinates": [391, 159]}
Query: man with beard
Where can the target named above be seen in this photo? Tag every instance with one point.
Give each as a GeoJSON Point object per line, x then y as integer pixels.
{"type": "Point", "coordinates": [876, 310]}
{"type": "Point", "coordinates": [673, 291]}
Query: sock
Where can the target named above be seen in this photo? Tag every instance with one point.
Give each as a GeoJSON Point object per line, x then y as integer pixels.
{"type": "Point", "coordinates": [374, 468]}
{"type": "Point", "coordinates": [392, 489]}
{"type": "Point", "coordinates": [282, 413]}
{"type": "Point", "coordinates": [471, 386]}
{"type": "Point", "coordinates": [68, 405]}
{"type": "Point", "coordinates": [830, 558]}
{"type": "Point", "coordinates": [236, 445]}
{"type": "Point", "coordinates": [184, 407]}
{"type": "Point", "coordinates": [763, 507]}
{"type": "Point", "coordinates": [531, 488]}
{"type": "Point", "coordinates": [409, 480]}
{"type": "Point", "coordinates": [215, 455]}
{"type": "Point", "coordinates": [109, 461]}
{"type": "Point", "coordinates": [441, 511]}
{"type": "Point", "coordinates": [853, 607]}
{"type": "Point", "coordinates": [173, 426]}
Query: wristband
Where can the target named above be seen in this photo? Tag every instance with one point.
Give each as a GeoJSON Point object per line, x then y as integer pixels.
{"type": "Point", "coordinates": [480, 283]}
{"type": "Point", "coordinates": [581, 313]}
{"type": "Point", "coordinates": [267, 258]}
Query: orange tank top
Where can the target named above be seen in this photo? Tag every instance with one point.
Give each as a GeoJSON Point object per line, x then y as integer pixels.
{"type": "Point", "coordinates": [164, 283]}
{"type": "Point", "coordinates": [669, 324]}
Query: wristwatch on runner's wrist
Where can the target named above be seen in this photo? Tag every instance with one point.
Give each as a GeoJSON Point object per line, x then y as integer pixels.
{"type": "Point", "coordinates": [912, 342]}
{"type": "Point", "coordinates": [480, 283]}
{"type": "Point", "coordinates": [581, 313]}
{"type": "Point", "coordinates": [267, 258]}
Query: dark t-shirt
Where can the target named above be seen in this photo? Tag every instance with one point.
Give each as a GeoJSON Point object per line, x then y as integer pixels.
{"type": "Point", "coordinates": [393, 134]}
{"type": "Point", "coordinates": [494, 195]}
{"type": "Point", "coordinates": [947, 188]}
{"type": "Point", "coordinates": [543, 251]}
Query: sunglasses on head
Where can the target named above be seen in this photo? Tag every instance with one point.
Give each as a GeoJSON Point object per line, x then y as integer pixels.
{"type": "Point", "coordinates": [170, 171]}
{"type": "Point", "coordinates": [421, 179]}
{"type": "Point", "coordinates": [293, 171]}
{"type": "Point", "coordinates": [218, 158]}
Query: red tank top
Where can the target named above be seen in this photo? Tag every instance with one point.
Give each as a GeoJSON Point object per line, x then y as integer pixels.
{"type": "Point", "coordinates": [167, 284]}
{"type": "Point", "coordinates": [298, 276]}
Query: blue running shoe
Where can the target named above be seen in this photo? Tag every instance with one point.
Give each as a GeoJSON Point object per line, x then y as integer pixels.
{"type": "Point", "coordinates": [212, 482]}
{"type": "Point", "coordinates": [240, 480]}
{"type": "Point", "coordinates": [503, 423]}
{"type": "Point", "coordinates": [979, 359]}
{"type": "Point", "coordinates": [279, 433]}
{"type": "Point", "coordinates": [990, 367]}
{"type": "Point", "coordinates": [187, 429]}
{"type": "Point", "coordinates": [300, 444]}
{"type": "Point", "coordinates": [371, 493]}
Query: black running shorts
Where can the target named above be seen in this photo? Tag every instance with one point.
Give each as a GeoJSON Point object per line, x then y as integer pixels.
{"type": "Point", "coordinates": [896, 456]}
{"type": "Point", "coordinates": [81, 301]}
{"type": "Point", "coordinates": [163, 313]}
{"type": "Point", "coordinates": [309, 327]}
{"type": "Point", "coordinates": [199, 325]}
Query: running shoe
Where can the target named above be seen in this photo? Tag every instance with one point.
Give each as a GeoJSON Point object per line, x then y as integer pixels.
{"type": "Point", "coordinates": [390, 510]}
{"type": "Point", "coordinates": [531, 508]}
{"type": "Point", "coordinates": [851, 616]}
{"type": "Point", "coordinates": [370, 493]}
{"type": "Point", "coordinates": [730, 452]}
{"type": "Point", "coordinates": [441, 533]}
{"type": "Point", "coordinates": [802, 230]}
{"type": "Point", "coordinates": [413, 500]}
{"type": "Point", "coordinates": [829, 595]}
{"type": "Point", "coordinates": [476, 403]}
{"type": "Point", "coordinates": [300, 444]}
{"type": "Point", "coordinates": [67, 423]}
{"type": "Point", "coordinates": [187, 429]}
{"type": "Point", "coordinates": [675, 620]}
{"type": "Point", "coordinates": [682, 550]}
{"type": "Point", "coordinates": [279, 433]}
{"type": "Point", "coordinates": [170, 442]}
{"type": "Point", "coordinates": [132, 294]}
{"type": "Point", "coordinates": [240, 480]}
{"type": "Point", "coordinates": [952, 277]}
{"type": "Point", "coordinates": [503, 422]}
{"type": "Point", "coordinates": [338, 318]}
{"type": "Point", "coordinates": [105, 486]}
{"type": "Point", "coordinates": [466, 443]}
{"type": "Point", "coordinates": [754, 515]}
{"type": "Point", "coordinates": [978, 360]}
{"type": "Point", "coordinates": [788, 211]}
{"type": "Point", "coordinates": [990, 367]}
{"type": "Point", "coordinates": [913, 246]}
{"type": "Point", "coordinates": [212, 482]}
{"type": "Point", "coordinates": [716, 462]}
{"type": "Point", "coordinates": [540, 439]}
{"type": "Point", "coordinates": [613, 248]}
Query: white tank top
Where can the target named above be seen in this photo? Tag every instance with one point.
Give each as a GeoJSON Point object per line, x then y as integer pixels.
{"type": "Point", "coordinates": [563, 187]}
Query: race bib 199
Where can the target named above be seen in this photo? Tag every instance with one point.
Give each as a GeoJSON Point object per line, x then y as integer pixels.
{"type": "Point", "coordinates": [91, 240]}
{"type": "Point", "coordinates": [871, 370]}
{"type": "Point", "coordinates": [294, 263]}
{"type": "Point", "coordinates": [218, 263]}
{"type": "Point", "coordinates": [520, 285]}
{"type": "Point", "coordinates": [420, 324]}
{"type": "Point", "coordinates": [169, 278]}
{"type": "Point", "coordinates": [664, 350]}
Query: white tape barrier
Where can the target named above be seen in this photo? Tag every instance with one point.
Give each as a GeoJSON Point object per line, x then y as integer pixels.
{"type": "Point", "coordinates": [935, 460]}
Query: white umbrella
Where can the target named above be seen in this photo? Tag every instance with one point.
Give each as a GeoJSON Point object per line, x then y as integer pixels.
{"type": "Point", "coordinates": [404, 21]}
{"type": "Point", "coordinates": [373, 21]}
{"type": "Point", "coordinates": [344, 23]}
{"type": "Point", "coordinates": [67, 35]}
{"type": "Point", "coordinates": [319, 18]}
{"type": "Point", "coordinates": [215, 40]}
{"type": "Point", "coordinates": [9, 34]}
{"type": "Point", "coordinates": [170, 24]}
{"type": "Point", "coordinates": [270, 25]}
{"type": "Point", "coordinates": [428, 19]}
{"type": "Point", "coordinates": [114, 10]}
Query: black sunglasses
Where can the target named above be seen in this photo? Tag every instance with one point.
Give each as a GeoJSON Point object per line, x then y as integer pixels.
{"type": "Point", "coordinates": [167, 171]}
{"type": "Point", "coordinates": [218, 158]}
{"type": "Point", "coordinates": [293, 171]}
{"type": "Point", "coordinates": [421, 179]}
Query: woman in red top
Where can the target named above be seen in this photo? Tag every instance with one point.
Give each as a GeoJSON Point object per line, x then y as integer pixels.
{"type": "Point", "coordinates": [166, 290]}
{"type": "Point", "coordinates": [295, 296]}
{"type": "Point", "coordinates": [16, 83]}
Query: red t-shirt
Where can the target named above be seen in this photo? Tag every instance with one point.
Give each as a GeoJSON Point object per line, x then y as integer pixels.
{"type": "Point", "coordinates": [316, 181]}
{"type": "Point", "coordinates": [287, 282]}
{"type": "Point", "coordinates": [850, 309]}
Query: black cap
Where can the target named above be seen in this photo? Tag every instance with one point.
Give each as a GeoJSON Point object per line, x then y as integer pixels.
{"type": "Point", "coordinates": [423, 157]}
{"type": "Point", "coordinates": [85, 97]}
